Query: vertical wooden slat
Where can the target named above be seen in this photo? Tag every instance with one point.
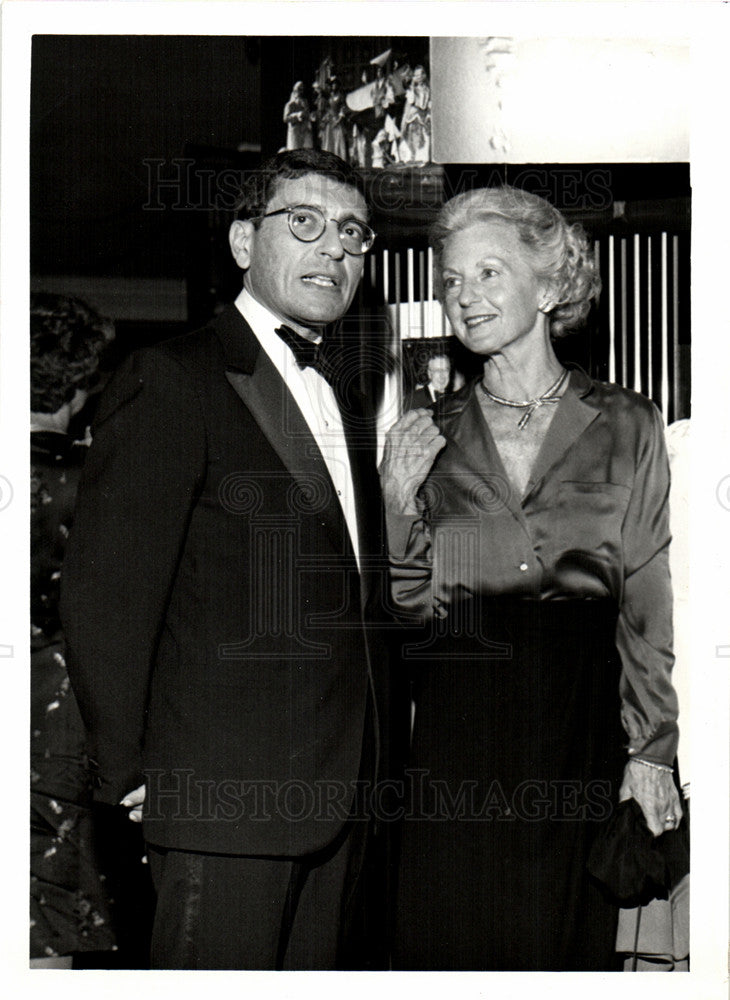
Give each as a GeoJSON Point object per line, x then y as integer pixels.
{"type": "Point", "coordinates": [391, 402]}
{"type": "Point", "coordinates": [675, 327]}
{"type": "Point", "coordinates": [664, 270]}
{"type": "Point", "coordinates": [409, 291]}
{"type": "Point", "coordinates": [432, 331]}
{"type": "Point", "coordinates": [637, 314]}
{"type": "Point", "coordinates": [422, 292]}
{"type": "Point", "coordinates": [611, 310]}
{"type": "Point", "coordinates": [624, 317]}
{"type": "Point", "coordinates": [649, 321]}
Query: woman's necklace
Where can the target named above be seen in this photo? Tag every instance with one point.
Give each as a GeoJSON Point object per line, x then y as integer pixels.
{"type": "Point", "coordinates": [551, 395]}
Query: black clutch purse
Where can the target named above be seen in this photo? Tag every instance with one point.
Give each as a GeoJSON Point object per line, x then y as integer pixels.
{"type": "Point", "coordinates": [634, 867]}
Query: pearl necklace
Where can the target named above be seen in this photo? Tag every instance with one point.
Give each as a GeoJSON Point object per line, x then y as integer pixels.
{"type": "Point", "coordinates": [551, 395]}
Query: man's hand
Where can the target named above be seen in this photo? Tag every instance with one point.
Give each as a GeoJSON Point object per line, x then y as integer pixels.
{"type": "Point", "coordinates": [134, 802]}
{"type": "Point", "coordinates": [656, 793]}
{"type": "Point", "coordinates": [411, 445]}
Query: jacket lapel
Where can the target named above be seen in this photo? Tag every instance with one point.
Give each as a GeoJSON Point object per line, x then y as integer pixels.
{"type": "Point", "coordinates": [360, 437]}
{"type": "Point", "coordinates": [257, 383]}
{"type": "Point", "coordinates": [572, 417]}
{"type": "Point", "coordinates": [471, 435]}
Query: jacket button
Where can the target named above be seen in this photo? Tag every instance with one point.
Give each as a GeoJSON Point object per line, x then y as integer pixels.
{"type": "Point", "coordinates": [523, 567]}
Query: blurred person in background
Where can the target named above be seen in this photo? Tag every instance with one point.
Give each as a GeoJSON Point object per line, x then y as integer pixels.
{"type": "Point", "coordinates": [77, 898]}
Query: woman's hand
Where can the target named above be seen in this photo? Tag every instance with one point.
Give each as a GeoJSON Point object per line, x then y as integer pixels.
{"type": "Point", "coordinates": [655, 792]}
{"type": "Point", "coordinates": [134, 801]}
{"type": "Point", "coordinates": [411, 445]}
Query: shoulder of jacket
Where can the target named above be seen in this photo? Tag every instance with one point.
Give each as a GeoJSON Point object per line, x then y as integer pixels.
{"type": "Point", "coordinates": [620, 399]}
{"type": "Point", "coordinates": [172, 367]}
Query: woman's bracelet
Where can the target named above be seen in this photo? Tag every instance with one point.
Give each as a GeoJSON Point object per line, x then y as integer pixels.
{"type": "Point", "coordinates": [650, 763]}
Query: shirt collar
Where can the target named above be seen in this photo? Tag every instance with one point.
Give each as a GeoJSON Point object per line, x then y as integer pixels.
{"type": "Point", "coordinates": [262, 320]}
{"type": "Point", "coordinates": [579, 382]}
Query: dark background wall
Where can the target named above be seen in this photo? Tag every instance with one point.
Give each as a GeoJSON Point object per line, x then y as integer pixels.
{"type": "Point", "coordinates": [104, 107]}
{"type": "Point", "coordinates": [101, 106]}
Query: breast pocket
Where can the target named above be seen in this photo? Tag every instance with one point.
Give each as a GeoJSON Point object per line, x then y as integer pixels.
{"type": "Point", "coordinates": [590, 516]}
{"type": "Point", "coordinates": [581, 486]}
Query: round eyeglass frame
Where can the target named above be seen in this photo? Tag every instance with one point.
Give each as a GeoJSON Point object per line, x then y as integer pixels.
{"type": "Point", "coordinates": [291, 210]}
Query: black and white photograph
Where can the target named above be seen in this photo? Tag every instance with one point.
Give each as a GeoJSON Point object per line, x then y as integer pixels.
{"type": "Point", "coordinates": [374, 519]}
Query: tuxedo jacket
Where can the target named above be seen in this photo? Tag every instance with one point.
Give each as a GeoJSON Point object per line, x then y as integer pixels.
{"type": "Point", "coordinates": [419, 398]}
{"type": "Point", "coordinates": [221, 641]}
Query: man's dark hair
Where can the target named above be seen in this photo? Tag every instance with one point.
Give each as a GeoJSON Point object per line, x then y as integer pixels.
{"type": "Point", "coordinates": [260, 185]}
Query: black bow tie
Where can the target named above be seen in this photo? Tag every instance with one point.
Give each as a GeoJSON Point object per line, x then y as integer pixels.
{"type": "Point", "coordinates": [309, 355]}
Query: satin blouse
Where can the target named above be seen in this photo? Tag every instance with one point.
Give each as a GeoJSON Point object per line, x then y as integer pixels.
{"type": "Point", "coordinates": [593, 523]}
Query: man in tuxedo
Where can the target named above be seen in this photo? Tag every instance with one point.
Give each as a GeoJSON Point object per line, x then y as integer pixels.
{"type": "Point", "coordinates": [220, 598]}
{"type": "Point", "coordinates": [439, 373]}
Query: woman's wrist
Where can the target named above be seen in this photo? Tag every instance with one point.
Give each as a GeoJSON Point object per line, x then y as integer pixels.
{"type": "Point", "coordinates": [400, 501]}
{"type": "Point", "coordinates": [650, 763]}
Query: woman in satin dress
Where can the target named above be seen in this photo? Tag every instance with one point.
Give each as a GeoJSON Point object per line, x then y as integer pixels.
{"type": "Point", "coordinates": [528, 535]}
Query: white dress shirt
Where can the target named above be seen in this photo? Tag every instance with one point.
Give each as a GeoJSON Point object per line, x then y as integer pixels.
{"type": "Point", "coordinates": [316, 400]}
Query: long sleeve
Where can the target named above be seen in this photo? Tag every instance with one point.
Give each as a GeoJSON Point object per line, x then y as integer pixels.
{"type": "Point", "coordinates": [644, 631]}
{"type": "Point", "coordinates": [410, 557]}
{"type": "Point", "coordinates": [136, 496]}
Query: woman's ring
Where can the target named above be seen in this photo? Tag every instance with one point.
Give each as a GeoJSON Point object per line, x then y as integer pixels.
{"type": "Point", "coordinates": [669, 820]}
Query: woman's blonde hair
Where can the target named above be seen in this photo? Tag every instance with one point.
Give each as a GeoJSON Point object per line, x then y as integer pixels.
{"type": "Point", "coordinates": [559, 250]}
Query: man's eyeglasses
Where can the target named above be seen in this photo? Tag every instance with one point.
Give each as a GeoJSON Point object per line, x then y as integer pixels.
{"type": "Point", "coordinates": [308, 223]}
